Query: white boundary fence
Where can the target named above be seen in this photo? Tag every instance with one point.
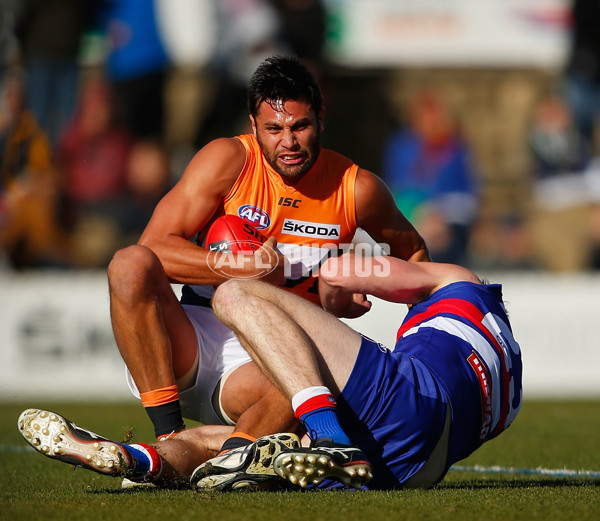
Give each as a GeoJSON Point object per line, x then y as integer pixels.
{"type": "Point", "coordinates": [56, 339]}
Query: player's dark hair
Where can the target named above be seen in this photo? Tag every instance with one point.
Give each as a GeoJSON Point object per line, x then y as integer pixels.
{"type": "Point", "coordinates": [282, 78]}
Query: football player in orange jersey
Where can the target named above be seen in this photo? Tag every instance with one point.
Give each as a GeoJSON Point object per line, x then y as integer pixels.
{"type": "Point", "coordinates": [181, 361]}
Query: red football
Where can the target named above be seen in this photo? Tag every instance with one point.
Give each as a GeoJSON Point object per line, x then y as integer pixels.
{"type": "Point", "coordinates": [232, 234]}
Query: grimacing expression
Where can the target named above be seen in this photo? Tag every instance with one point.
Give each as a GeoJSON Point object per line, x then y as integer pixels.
{"type": "Point", "coordinates": [289, 135]}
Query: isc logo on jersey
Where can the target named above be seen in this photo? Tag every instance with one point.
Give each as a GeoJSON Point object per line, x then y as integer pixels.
{"type": "Point", "coordinates": [255, 215]}
{"type": "Point", "coordinates": [308, 229]}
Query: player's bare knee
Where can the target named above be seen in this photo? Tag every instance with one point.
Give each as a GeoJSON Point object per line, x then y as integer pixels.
{"type": "Point", "coordinates": [133, 271]}
{"type": "Point", "coordinates": [223, 297]}
{"type": "Point", "coordinates": [228, 297]}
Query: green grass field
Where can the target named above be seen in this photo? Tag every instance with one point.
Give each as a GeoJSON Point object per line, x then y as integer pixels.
{"type": "Point", "coordinates": [546, 435]}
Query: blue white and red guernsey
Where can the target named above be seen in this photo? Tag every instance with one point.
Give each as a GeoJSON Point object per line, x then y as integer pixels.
{"type": "Point", "coordinates": [455, 353]}
{"type": "Point", "coordinates": [463, 335]}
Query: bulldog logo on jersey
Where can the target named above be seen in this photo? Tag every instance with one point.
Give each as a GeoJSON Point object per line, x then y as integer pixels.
{"type": "Point", "coordinates": [255, 215]}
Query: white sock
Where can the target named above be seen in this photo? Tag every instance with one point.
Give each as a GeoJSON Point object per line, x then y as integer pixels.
{"type": "Point", "coordinates": [309, 392]}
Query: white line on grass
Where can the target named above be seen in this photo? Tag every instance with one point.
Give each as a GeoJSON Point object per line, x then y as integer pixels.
{"type": "Point", "coordinates": [539, 471]}
{"type": "Point", "coordinates": [16, 448]}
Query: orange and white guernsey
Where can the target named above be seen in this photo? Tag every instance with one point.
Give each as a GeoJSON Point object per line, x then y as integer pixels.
{"type": "Point", "coordinates": [308, 219]}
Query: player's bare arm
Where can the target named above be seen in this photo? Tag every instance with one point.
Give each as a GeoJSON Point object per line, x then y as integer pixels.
{"type": "Point", "coordinates": [378, 215]}
{"type": "Point", "coordinates": [189, 207]}
{"type": "Point", "coordinates": [388, 278]}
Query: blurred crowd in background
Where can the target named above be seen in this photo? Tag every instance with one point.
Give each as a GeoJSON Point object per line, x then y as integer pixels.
{"type": "Point", "coordinates": [103, 103]}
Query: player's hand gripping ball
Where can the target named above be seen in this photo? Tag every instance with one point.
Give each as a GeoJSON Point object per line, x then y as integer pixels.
{"type": "Point", "coordinates": [232, 234]}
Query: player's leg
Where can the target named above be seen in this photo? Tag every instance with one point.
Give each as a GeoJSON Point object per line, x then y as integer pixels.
{"type": "Point", "coordinates": [255, 404]}
{"type": "Point", "coordinates": [229, 387]}
{"type": "Point", "coordinates": [182, 454]}
{"type": "Point", "coordinates": [169, 462]}
{"type": "Point", "coordinates": [295, 343]}
{"type": "Point", "coordinates": [259, 409]}
{"type": "Point", "coordinates": [306, 352]}
{"type": "Point", "coordinates": [150, 324]}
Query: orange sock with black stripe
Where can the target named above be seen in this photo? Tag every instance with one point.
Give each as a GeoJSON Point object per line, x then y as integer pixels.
{"type": "Point", "coordinates": [164, 410]}
{"type": "Point", "coordinates": [237, 439]}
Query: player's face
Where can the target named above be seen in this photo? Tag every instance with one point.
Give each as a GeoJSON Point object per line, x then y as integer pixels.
{"type": "Point", "coordinates": [288, 134]}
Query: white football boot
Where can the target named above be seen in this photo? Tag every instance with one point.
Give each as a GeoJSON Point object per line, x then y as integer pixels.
{"type": "Point", "coordinates": [56, 437]}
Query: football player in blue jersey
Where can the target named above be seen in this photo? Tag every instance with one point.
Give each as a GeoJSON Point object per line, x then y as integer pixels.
{"type": "Point", "coordinates": [452, 382]}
